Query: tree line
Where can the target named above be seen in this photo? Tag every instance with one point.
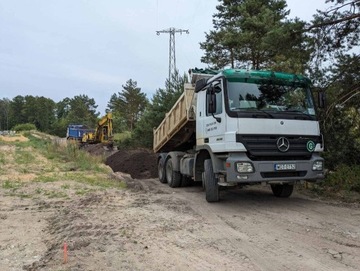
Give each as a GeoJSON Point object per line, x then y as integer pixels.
{"type": "Point", "coordinates": [255, 34]}
{"type": "Point", "coordinates": [53, 117]}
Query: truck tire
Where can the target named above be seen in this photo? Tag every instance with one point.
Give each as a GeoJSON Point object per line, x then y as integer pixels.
{"type": "Point", "coordinates": [211, 182]}
{"type": "Point", "coordinates": [161, 170]}
{"type": "Point", "coordinates": [282, 190]}
{"type": "Point", "coordinates": [173, 177]}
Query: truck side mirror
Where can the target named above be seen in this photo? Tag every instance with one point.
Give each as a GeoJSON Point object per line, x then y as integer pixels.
{"type": "Point", "coordinates": [321, 99]}
{"type": "Point", "coordinates": [211, 99]}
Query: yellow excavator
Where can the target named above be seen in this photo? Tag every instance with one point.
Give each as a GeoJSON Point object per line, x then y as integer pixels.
{"type": "Point", "coordinates": [103, 132]}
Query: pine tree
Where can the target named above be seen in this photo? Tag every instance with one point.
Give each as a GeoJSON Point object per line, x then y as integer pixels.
{"type": "Point", "coordinates": [129, 104]}
{"type": "Point", "coordinates": [255, 33]}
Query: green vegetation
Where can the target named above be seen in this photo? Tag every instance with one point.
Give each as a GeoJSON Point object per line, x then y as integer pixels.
{"type": "Point", "coordinates": [46, 178]}
{"type": "Point", "coordinates": [55, 194]}
{"type": "Point", "coordinates": [51, 193]}
{"type": "Point", "coordinates": [14, 188]}
{"type": "Point", "coordinates": [11, 185]}
{"type": "Point", "coordinates": [98, 181]}
{"type": "Point", "coordinates": [128, 106]}
{"type": "Point", "coordinates": [24, 127]}
{"type": "Point", "coordinates": [23, 157]}
{"type": "Point", "coordinates": [65, 186]}
{"type": "Point", "coordinates": [343, 183]}
{"type": "Point", "coordinates": [344, 178]}
{"type": "Point", "coordinates": [19, 194]}
{"type": "Point", "coordinates": [51, 163]}
{"type": "Point", "coordinates": [256, 32]}
{"type": "Point", "coordinates": [2, 158]}
{"type": "Point", "coordinates": [162, 101]}
{"type": "Point", "coordinates": [83, 191]}
{"type": "Point", "coordinates": [25, 113]}
{"type": "Point", "coordinates": [119, 137]}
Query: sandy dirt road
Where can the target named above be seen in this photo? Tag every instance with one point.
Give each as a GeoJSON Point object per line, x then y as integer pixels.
{"type": "Point", "coordinates": [154, 227]}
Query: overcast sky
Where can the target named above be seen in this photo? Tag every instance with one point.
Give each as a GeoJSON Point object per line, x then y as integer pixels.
{"type": "Point", "coordinates": [63, 48]}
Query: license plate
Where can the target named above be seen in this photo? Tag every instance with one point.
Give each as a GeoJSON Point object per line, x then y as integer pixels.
{"type": "Point", "coordinates": [279, 167]}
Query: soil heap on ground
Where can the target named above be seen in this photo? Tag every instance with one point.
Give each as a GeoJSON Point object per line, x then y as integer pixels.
{"type": "Point", "coordinates": [139, 163]}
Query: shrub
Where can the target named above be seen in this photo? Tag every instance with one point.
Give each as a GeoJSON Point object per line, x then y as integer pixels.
{"type": "Point", "coordinates": [24, 127]}
{"type": "Point", "coordinates": [344, 177]}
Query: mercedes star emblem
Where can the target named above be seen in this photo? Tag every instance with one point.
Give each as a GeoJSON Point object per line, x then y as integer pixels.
{"type": "Point", "coordinates": [283, 144]}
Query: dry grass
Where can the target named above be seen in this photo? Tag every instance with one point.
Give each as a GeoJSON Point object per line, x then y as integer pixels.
{"type": "Point", "coordinates": [42, 166]}
{"type": "Point", "coordinates": [14, 138]}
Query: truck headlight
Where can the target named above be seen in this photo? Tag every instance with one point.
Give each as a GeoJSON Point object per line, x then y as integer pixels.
{"type": "Point", "coordinates": [244, 167]}
{"type": "Point", "coordinates": [318, 165]}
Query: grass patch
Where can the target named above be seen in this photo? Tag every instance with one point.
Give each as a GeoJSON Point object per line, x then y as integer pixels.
{"type": "Point", "coordinates": [24, 157]}
{"type": "Point", "coordinates": [55, 194]}
{"type": "Point", "coordinates": [39, 191]}
{"type": "Point", "coordinates": [84, 191]}
{"type": "Point", "coordinates": [65, 161]}
{"type": "Point", "coordinates": [95, 180]}
{"type": "Point", "coordinates": [2, 159]}
{"type": "Point", "coordinates": [46, 178]}
{"type": "Point", "coordinates": [20, 195]}
{"type": "Point", "coordinates": [68, 153]}
{"type": "Point", "coordinates": [51, 193]}
{"type": "Point", "coordinates": [77, 159]}
{"type": "Point", "coordinates": [11, 185]}
{"type": "Point", "coordinates": [36, 143]}
{"type": "Point", "coordinates": [84, 161]}
{"type": "Point", "coordinates": [65, 186]}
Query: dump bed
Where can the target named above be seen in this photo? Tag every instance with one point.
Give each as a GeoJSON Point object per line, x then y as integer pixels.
{"type": "Point", "coordinates": [76, 131]}
{"type": "Point", "coordinates": [177, 130]}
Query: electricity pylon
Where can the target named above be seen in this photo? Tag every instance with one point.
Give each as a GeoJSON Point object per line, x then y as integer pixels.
{"type": "Point", "coordinates": [172, 57]}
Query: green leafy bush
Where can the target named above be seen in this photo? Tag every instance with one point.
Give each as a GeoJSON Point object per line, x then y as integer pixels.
{"type": "Point", "coordinates": [24, 127]}
{"type": "Point", "coordinates": [345, 178]}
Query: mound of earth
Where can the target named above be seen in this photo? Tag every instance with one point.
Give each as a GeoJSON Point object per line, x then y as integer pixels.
{"type": "Point", "coordinates": [139, 163]}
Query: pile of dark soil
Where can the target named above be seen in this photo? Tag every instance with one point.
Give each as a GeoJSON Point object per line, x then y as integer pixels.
{"type": "Point", "coordinates": [139, 163]}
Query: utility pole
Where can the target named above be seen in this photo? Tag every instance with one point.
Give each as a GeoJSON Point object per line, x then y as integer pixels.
{"type": "Point", "coordinates": [172, 57]}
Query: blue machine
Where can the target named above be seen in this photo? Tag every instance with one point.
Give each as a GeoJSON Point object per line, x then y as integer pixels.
{"type": "Point", "coordinates": [76, 131]}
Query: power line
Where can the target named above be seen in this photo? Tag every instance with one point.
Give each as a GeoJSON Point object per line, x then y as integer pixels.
{"type": "Point", "coordinates": [172, 57]}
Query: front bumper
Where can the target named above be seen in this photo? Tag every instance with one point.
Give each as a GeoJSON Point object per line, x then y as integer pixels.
{"type": "Point", "coordinates": [265, 171]}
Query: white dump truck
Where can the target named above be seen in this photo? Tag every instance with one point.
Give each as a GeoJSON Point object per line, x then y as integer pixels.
{"type": "Point", "coordinates": [241, 127]}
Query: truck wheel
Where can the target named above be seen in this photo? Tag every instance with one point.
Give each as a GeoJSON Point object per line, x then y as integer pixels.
{"type": "Point", "coordinates": [211, 182]}
{"type": "Point", "coordinates": [282, 190]}
{"type": "Point", "coordinates": [161, 170]}
{"type": "Point", "coordinates": [173, 178]}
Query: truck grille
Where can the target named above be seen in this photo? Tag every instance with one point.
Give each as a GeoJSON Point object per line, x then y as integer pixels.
{"type": "Point", "coordinates": [264, 148]}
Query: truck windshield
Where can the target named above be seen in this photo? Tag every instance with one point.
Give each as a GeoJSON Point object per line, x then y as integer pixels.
{"type": "Point", "coordinates": [269, 100]}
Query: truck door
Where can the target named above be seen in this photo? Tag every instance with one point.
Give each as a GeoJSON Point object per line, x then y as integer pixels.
{"type": "Point", "coordinates": [211, 127]}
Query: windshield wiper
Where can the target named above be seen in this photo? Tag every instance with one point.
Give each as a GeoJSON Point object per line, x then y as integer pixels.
{"type": "Point", "coordinates": [257, 112]}
{"type": "Point", "coordinates": [309, 117]}
{"type": "Point", "coordinates": [266, 113]}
